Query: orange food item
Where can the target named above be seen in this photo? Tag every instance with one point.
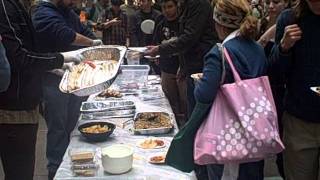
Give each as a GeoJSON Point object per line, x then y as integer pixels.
{"type": "Point", "coordinates": [159, 142]}
{"type": "Point", "coordinates": [151, 143]}
{"type": "Point", "coordinates": [158, 159]}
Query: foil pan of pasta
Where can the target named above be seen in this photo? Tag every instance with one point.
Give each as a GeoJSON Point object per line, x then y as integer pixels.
{"type": "Point", "coordinates": [96, 72]}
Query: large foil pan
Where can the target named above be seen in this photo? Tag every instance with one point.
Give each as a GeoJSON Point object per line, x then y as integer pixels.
{"type": "Point", "coordinates": [154, 131]}
{"type": "Point", "coordinates": [102, 53]}
{"type": "Point", "coordinates": [96, 106]}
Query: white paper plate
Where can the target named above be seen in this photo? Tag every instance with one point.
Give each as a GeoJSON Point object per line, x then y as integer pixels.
{"type": "Point", "coordinates": [314, 89]}
{"type": "Point", "coordinates": [151, 57]}
{"type": "Point", "coordinates": [157, 147]}
{"type": "Point", "coordinates": [139, 49]}
{"type": "Point", "coordinates": [156, 162]}
{"type": "Point", "coordinates": [147, 26]}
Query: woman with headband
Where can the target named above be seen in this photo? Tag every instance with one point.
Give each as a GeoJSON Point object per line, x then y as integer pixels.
{"type": "Point", "coordinates": [237, 28]}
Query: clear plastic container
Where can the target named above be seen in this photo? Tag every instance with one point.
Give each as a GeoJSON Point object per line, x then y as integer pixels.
{"type": "Point", "coordinates": [82, 155]}
{"type": "Point", "coordinates": [83, 161]}
{"type": "Point", "coordinates": [133, 57]}
{"type": "Point", "coordinates": [133, 76]}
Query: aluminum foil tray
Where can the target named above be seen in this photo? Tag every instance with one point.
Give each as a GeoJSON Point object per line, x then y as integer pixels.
{"type": "Point", "coordinates": [104, 52]}
{"type": "Point", "coordinates": [154, 131]}
{"type": "Point", "coordinates": [96, 106]}
{"type": "Point", "coordinates": [108, 114]}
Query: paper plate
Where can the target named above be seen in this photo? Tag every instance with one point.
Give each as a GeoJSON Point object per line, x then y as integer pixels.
{"type": "Point", "coordinates": [316, 89]}
{"type": "Point", "coordinates": [157, 162]}
{"type": "Point", "coordinates": [147, 26]}
{"type": "Point", "coordinates": [152, 57]}
{"type": "Point", "coordinates": [139, 49]}
{"type": "Point", "coordinates": [157, 147]}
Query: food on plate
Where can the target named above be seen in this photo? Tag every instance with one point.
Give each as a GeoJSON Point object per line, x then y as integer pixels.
{"type": "Point", "coordinates": [159, 159]}
{"type": "Point", "coordinates": [82, 157]}
{"type": "Point", "coordinates": [96, 129]}
{"type": "Point", "coordinates": [318, 89]}
{"type": "Point", "coordinates": [151, 143]}
{"type": "Point", "coordinates": [110, 93]}
{"type": "Point", "coordinates": [150, 120]}
{"type": "Point", "coordinates": [89, 73]}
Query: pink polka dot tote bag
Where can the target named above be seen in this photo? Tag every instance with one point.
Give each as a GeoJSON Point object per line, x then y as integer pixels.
{"type": "Point", "coordinates": [242, 124]}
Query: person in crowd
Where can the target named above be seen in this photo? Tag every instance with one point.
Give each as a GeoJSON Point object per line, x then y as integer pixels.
{"type": "Point", "coordinates": [196, 37]}
{"type": "Point", "coordinates": [258, 8]}
{"type": "Point", "coordinates": [19, 112]}
{"type": "Point", "coordinates": [100, 6]}
{"type": "Point", "coordinates": [233, 21]}
{"type": "Point", "coordinates": [296, 54]}
{"type": "Point", "coordinates": [167, 30]}
{"type": "Point", "coordinates": [141, 38]}
{"type": "Point", "coordinates": [130, 10]}
{"type": "Point", "coordinates": [90, 9]}
{"type": "Point", "coordinates": [114, 25]}
{"type": "Point", "coordinates": [277, 80]}
{"type": "Point", "coordinates": [4, 69]}
{"type": "Point", "coordinates": [146, 12]}
{"type": "Point", "coordinates": [55, 22]}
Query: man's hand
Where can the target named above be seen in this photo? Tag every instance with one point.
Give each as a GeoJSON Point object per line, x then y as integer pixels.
{"type": "Point", "coordinates": [97, 42]}
{"type": "Point", "coordinates": [180, 76]}
{"type": "Point", "coordinates": [72, 57]}
{"type": "Point", "coordinates": [152, 51]}
{"type": "Point", "coordinates": [292, 34]}
{"type": "Point", "coordinates": [112, 22]}
{"type": "Point", "coordinates": [115, 21]}
{"type": "Point", "coordinates": [67, 66]}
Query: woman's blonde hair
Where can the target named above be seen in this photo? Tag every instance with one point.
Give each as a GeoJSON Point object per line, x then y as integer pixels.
{"type": "Point", "coordinates": [240, 14]}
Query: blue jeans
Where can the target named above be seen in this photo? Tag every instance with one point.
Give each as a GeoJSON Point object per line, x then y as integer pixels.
{"type": "Point", "coordinates": [61, 112]}
{"type": "Point", "coordinates": [247, 171]}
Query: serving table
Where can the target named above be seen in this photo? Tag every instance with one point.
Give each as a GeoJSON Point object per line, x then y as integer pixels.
{"type": "Point", "coordinates": [142, 169]}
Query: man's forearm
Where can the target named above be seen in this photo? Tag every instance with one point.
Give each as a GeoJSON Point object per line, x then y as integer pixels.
{"type": "Point", "coordinates": [81, 40]}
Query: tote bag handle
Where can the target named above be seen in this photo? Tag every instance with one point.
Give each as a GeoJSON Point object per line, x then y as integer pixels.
{"type": "Point", "coordinates": [233, 69]}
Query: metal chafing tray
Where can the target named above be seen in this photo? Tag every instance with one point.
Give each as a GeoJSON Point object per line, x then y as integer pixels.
{"type": "Point", "coordinates": [108, 114]}
{"type": "Point", "coordinates": [96, 106]}
{"type": "Point", "coordinates": [96, 53]}
{"type": "Point", "coordinates": [153, 131]}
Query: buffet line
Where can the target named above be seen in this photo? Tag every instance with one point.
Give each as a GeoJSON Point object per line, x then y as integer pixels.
{"type": "Point", "coordinates": [126, 125]}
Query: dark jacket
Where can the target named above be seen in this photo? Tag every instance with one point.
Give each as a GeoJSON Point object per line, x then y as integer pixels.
{"type": "Point", "coordinates": [164, 32]}
{"type": "Point", "coordinates": [301, 65]}
{"type": "Point", "coordinates": [27, 66]}
{"type": "Point", "coordinates": [140, 38]}
{"type": "Point", "coordinates": [4, 69]}
{"type": "Point", "coordinates": [247, 56]}
{"type": "Point", "coordinates": [58, 26]}
{"type": "Point", "coordinates": [196, 36]}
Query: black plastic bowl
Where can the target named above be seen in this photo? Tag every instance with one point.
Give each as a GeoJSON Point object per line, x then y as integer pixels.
{"type": "Point", "coordinates": [97, 137]}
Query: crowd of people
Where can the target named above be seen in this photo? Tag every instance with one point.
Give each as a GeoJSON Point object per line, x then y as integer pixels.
{"type": "Point", "coordinates": [278, 38]}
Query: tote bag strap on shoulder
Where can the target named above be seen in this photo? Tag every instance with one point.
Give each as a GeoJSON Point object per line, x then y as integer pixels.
{"type": "Point", "coordinates": [233, 69]}
{"type": "Point", "coordinates": [221, 49]}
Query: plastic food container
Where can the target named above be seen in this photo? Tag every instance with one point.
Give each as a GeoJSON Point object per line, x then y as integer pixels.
{"type": "Point", "coordinates": [117, 159]}
{"type": "Point", "coordinates": [133, 76]}
{"type": "Point", "coordinates": [82, 155]}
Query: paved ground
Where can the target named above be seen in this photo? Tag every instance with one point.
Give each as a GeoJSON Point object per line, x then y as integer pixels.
{"type": "Point", "coordinates": [271, 172]}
